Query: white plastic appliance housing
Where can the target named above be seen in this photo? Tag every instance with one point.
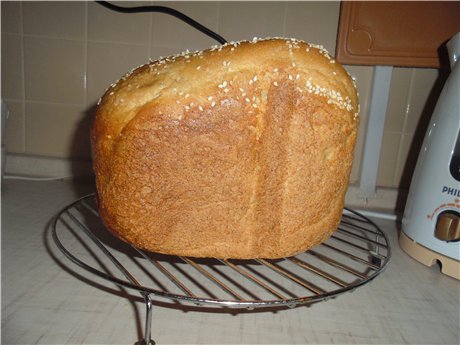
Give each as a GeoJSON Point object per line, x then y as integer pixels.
{"type": "Point", "coordinates": [435, 186]}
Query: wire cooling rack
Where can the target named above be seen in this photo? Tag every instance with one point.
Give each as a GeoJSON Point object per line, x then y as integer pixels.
{"type": "Point", "coordinates": [355, 254]}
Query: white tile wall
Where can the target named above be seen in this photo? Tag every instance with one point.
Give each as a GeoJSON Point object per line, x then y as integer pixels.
{"type": "Point", "coordinates": [109, 26]}
{"type": "Point", "coordinates": [72, 138]}
{"type": "Point", "coordinates": [15, 137]}
{"type": "Point", "coordinates": [313, 21]}
{"type": "Point", "coordinates": [55, 19]}
{"type": "Point", "coordinates": [12, 67]}
{"type": "Point", "coordinates": [54, 70]}
{"type": "Point", "coordinates": [245, 20]}
{"type": "Point", "coordinates": [168, 31]}
{"type": "Point", "coordinates": [11, 17]}
{"type": "Point", "coordinates": [412, 93]}
{"type": "Point", "coordinates": [107, 62]}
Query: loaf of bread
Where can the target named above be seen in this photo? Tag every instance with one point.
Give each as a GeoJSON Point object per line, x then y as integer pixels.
{"type": "Point", "coordinates": [240, 151]}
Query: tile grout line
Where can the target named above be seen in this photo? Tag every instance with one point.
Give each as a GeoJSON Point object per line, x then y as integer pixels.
{"type": "Point", "coordinates": [23, 82]}
{"type": "Point", "coordinates": [218, 17]}
{"type": "Point", "coordinates": [85, 63]}
{"type": "Point", "coordinates": [48, 37]}
{"type": "Point", "coordinates": [43, 102]}
{"type": "Point", "coordinates": [150, 38]}
{"type": "Point", "coordinates": [286, 4]}
{"type": "Point", "coordinates": [403, 130]}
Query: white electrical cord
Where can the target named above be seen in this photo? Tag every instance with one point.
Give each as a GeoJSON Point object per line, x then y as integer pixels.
{"type": "Point", "coordinates": [377, 214]}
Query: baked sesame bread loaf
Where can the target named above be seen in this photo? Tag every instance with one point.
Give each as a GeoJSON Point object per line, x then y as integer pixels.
{"type": "Point", "coordinates": [240, 151]}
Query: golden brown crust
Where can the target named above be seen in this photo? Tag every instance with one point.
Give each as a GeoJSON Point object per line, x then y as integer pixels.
{"type": "Point", "coordinates": [240, 151]}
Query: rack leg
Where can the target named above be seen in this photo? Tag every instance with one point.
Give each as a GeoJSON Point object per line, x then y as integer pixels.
{"type": "Point", "coordinates": [148, 321]}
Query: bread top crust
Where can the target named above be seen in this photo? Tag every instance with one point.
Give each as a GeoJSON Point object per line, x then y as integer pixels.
{"type": "Point", "coordinates": [166, 84]}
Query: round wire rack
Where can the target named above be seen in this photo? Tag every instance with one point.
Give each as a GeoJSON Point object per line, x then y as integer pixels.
{"type": "Point", "coordinates": [354, 255]}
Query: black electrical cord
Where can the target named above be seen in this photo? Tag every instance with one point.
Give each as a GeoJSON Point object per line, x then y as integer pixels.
{"type": "Point", "coordinates": [167, 10]}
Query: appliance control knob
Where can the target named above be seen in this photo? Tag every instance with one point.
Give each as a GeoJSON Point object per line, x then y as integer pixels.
{"type": "Point", "coordinates": [448, 227]}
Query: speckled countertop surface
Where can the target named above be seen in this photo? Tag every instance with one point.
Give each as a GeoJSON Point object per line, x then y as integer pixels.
{"type": "Point", "coordinates": [43, 302]}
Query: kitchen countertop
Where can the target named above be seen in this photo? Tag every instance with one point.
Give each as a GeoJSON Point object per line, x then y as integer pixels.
{"type": "Point", "coordinates": [43, 302]}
